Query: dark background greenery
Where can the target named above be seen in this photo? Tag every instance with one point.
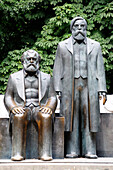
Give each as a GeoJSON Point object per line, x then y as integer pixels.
{"type": "Point", "coordinates": [41, 24]}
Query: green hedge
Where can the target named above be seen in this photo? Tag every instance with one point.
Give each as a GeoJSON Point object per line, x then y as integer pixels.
{"type": "Point", "coordinates": [40, 25]}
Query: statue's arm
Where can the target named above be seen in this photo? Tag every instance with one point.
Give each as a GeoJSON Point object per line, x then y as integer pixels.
{"type": "Point", "coordinates": [101, 76]}
{"type": "Point", "coordinates": [57, 70]}
{"type": "Point", "coordinates": [9, 96]}
{"type": "Point", "coordinates": [9, 101]}
{"type": "Point", "coordinates": [51, 103]}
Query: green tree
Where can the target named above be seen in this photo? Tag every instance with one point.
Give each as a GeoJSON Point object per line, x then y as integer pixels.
{"type": "Point", "coordinates": [42, 25]}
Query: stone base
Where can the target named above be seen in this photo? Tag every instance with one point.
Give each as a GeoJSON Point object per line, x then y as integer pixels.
{"type": "Point", "coordinates": [32, 140]}
{"type": "Point", "coordinates": [63, 164]}
{"type": "Point", "coordinates": [105, 136]}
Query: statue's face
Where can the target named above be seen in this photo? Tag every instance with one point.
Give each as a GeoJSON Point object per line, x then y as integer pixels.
{"type": "Point", "coordinates": [79, 30]}
{"type": "Point", "coordinates": [31, 63]}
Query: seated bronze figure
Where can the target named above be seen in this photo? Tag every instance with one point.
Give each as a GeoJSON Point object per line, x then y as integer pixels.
{"type": "Point", "coordinates": [30, 96]}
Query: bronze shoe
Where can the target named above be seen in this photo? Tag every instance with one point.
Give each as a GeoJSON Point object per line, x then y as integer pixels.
{"type": "Point", "coordinates": [72, 155]}
{"type": "Point", "coordinates": [46, 158]}
{"type": "Point", "coordinates": [17, 158]}
{"type": "Point", "coordinates": [91, 156]}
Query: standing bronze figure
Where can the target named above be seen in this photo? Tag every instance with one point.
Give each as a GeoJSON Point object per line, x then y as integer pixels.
{"type": "Point", "coordinates": [30, 96]}
{"type": "Point", "coordinates": [79, 77]}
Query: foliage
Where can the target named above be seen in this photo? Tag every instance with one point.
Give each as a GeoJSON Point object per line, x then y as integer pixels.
{"type": "Point", "coordinates": [41, 25]}
{"type": "Point", "coordinates": [8, 66]}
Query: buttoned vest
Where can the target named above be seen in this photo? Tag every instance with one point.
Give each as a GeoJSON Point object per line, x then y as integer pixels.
{"type": "Point", "coordinates": [80, 60]}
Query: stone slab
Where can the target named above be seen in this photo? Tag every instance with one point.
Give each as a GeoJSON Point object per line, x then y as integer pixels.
{"type": "Point", "coordinates": [108, 107]}
{"type": "Point", "coordinates": [3, 111]}
{"type": "Point", "coordinates": [32, 141]}
{"type": "Point", "coordinates": [105, 136]}
{"type": "Point", "coordinates": [58, 138]}
{"type": "Point", "coordinates": [58, 167]}
{"type": "Point", "coordinates": [5, 139]}
{"type": "Point", "coordinates": [63, 164]}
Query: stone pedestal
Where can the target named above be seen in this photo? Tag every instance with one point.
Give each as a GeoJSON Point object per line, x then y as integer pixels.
{"type": "Point", "coordinates": [104, 136]}
{"type": "Point", "coordinates": [5, 139]}
{"type": "Point", "coordinates": [59, 164]}
{"type": "Point", "coordinates": [58, 138]}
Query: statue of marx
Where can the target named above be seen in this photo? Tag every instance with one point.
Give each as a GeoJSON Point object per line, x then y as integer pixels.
{"type": "Point", "coordinates": [79, 78]}
{"type": "Point", "coordinates": [30, 96]}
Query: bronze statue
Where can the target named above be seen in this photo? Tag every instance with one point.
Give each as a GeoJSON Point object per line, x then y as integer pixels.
{"type": "Point", "coordinates": [30, 96]}
{"type": "Point", "coordinates": [79, 77]}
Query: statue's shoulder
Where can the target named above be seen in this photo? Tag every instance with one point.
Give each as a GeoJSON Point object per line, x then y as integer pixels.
{"type": "Point", "coordinates": [17, 74]}
{"type": "Point", "coordinates": [65, 41]}
{"type": "Point", "coordinates": [44, 75]}
{"type": "Point", "coordinates": [93, 42]}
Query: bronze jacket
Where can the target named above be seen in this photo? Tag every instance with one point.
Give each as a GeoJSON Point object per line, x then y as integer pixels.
{"type": "Point", "coordinates": [15, 92]}
{"type": "Point", "coordinates": [63, 75]}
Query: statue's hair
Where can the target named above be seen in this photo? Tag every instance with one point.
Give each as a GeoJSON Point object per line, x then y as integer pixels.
{"type": "Point", "coordinates": [28, 52]}
{"type": "Point", "coordinates": [75, 19]}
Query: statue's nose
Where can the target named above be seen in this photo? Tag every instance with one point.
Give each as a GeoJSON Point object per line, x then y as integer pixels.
{"type": "Point", "coordinates": [31, 60]}
{"type": "Point", "coordinates": [79, 27]}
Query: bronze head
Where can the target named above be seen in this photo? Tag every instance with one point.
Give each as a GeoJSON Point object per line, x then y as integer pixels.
{"type": "Point", "coordinates": [30, 60]}
{"type": "Point", "coordinates": [78, 28]}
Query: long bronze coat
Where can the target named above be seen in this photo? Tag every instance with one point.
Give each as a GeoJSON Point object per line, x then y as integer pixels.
{"type": "Point", "coordinates": [63, 75]}
{"type": "Point", "coordinates": [15, 92]}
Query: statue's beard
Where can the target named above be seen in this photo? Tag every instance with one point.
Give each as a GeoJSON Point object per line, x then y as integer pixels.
{"type": "Point", "coordinates": [79, 35]}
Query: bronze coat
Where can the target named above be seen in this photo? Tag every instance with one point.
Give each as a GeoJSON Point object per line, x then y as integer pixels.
{"type": "Point", "coordinates": [15, 92]}
{"type": "Point", "coordinates": [63, 74]}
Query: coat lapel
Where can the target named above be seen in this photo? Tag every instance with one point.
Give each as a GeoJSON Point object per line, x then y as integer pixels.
{"type": "Point", "coordinates": [69, 44]}
{"type": "Point", "coordinates": [42, 85]}
{"type": "Point", "coordinates": [20, 85]}
{"type": "Point", "coordinates": [89, 45]}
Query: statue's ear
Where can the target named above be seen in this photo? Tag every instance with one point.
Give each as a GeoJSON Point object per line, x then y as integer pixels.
{"type": "Point", "coordinates": [22, 58]}
{"type": "Point", "coordinates": [39, 58]}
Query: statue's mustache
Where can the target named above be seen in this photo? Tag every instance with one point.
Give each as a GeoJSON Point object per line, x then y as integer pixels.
{"type": "Point", "coordinates": [31, 65]}
{"type": "Point", "coordinates": [80, 32]}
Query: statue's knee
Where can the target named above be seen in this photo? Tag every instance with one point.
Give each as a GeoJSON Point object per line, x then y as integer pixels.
{"type": "Point", "coordinates": [43, 115]}
{"type": "Point", "coordinates": [43, 118]}
{"type": "Point", "coordinates": [20, 117]}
